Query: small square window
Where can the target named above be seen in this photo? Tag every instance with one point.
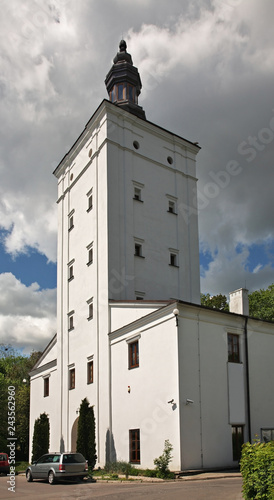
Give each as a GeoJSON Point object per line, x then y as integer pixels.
{"type": "Point", "coordinates": [233, 348]}
{"type": "Point", "coordinates": [171, 207]}
{"type": "Point", "coordinates": [133, 353]}
{"type": "Point", "coordinates": [134, 446]}
{"type": "Point", "coordinates": [138, 250]}
{"type": "Point", "coordinates": [137, 194]}
{"type": "Point", "coordinates": [173, 259]}
{"type": "Point", "coordinates": [46, 387]}
{"type": "Point", "coordinates": [72, 378]}
{"type": "Point", "coordinates": [90, 372]}
{"type": "Point", "coordinates": [71, 223]}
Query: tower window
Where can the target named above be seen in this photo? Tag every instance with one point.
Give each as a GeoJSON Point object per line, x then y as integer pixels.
{"type": "Point", "coordinates": [133, 353]}
{"type": "Point", "coordinates": [90, 311]}
{"type": "Point", "coordinates": [90, 203]}
{"type": "Point", "coordinates": [70, 273]}
{"type": "Point", "coordinates": [137, 194]}
{"type": "Point", "coordinates": [46, 387]}
{"type": "Point", "coordinates": [72, 378]}
{"type": "Point", "coordinates": [138, 250]}
{"type": "Point", "coordinates": [173, 260]}
{"type": "Point", "coordinates": [90, 254]}
{"type": "Point", "coordinates": [136, 144]}
{"type": "Point", "coordinates": [120, 91]}
{"type": "Point", "coordinates": [71, 223]}
{"type": "Point", "coordinates": [90, 372]}
{"type": "Point", "coordinates": [71, 321]}
{"type": "Point", "coordinates": [171, 207]}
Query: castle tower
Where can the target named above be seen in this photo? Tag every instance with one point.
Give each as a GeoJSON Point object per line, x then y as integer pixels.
{"type": "Point", "coordinates": [126, 231]}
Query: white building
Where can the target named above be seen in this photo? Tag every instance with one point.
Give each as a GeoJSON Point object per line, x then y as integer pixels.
{"type": "Point", "coordinates": [131, 335]}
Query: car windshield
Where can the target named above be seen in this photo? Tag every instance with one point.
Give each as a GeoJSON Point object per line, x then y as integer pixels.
{"type": "Point", "coordinates": [3, 458]}
{"type": "Point", "coordinates": [73, 458]}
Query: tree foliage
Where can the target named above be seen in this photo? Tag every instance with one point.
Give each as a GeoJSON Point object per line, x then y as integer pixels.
{"type": "Point", "coordinates": [214, 302]}
{"type": "Point", "coordinates": [40, 440]}
{"type": "Point", "coordinates": [257, 468]}
{"type": "Point", "coordinates": [261, 304]}
{"type": "Point", "coordinates": [86, 433]}
{"type": "Point", "coordinates": [14, 371]}
{"type": "Point", "coordinates": [164, 460]}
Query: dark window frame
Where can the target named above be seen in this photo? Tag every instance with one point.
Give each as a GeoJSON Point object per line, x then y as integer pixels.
{"type": "Point", "coordinates": [46, 387]}
{"type": "Point", "coordinates": [134, 446]}
{"type": "Point", "coordinates": [71, 379]}
{"type": "Point", "coordinates": [233, 348]}
{"type": "Point", "coordinates": [237, 441]}
{"type": "Point", "coordinates": [90, 372]}
{"type": "Point", "coordinates": [133, 355]}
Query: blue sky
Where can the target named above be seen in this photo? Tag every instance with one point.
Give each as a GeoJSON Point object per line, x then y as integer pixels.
{"type": "Point", "coordinates": [207, 73]}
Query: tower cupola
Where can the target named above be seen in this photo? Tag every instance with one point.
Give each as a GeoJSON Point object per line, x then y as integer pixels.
{"type": "Point", "coordinates": [123, 82]}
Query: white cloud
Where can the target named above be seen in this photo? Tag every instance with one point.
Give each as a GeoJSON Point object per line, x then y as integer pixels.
{"type": "Point", "coordinates": [27, 314]}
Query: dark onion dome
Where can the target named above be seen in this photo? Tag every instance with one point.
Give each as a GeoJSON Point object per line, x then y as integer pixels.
{"type": "Point", "coordinates": [123, 82]}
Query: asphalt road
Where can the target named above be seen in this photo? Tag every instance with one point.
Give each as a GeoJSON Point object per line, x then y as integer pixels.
{"type": "Point", "coordinates": [211, 489]}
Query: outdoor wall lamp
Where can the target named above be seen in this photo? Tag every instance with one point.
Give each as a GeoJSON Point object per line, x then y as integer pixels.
{"type": "Point", "coordinates": [189, 402]}
{"type": "Point", "coordinates": [176, 314]}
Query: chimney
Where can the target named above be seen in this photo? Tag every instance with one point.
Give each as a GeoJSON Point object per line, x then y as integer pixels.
{"type": "Point", "coordinates": [238, 302]}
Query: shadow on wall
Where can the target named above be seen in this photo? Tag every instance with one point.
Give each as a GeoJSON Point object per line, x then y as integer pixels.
{"type": "Point", "coordinates": [62, 445]}
{"type": "Point", "coordinates": [110, 448]}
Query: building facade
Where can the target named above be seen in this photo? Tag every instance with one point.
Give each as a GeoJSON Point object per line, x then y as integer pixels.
{"type": "Point", "coordinates": [128, 257]}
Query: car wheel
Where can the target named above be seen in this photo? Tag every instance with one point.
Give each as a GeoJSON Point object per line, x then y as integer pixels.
{"type": "Point", "coordinates": [51, 477]}
{"type": "Point", "coordinates": [29, 476]}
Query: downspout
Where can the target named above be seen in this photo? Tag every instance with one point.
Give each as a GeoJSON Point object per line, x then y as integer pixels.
{"type": "Point", "coordinates": [247, 380]}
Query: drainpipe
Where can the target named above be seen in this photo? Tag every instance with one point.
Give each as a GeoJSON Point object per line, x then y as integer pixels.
{"type": "Point", "coordinates": [247, 380]}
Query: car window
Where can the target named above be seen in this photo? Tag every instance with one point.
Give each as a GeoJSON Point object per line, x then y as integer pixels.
{"type": "Point", "coordinates": [3, 458]}
{"type": "Point", "coordinates": [73, 458]}
{"type": "Point", "coordinates": [56, 458]}
{"type": "Point", "coordinates": [42, 459]}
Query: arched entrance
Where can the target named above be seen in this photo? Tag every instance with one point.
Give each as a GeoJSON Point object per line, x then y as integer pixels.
{"type": "Point", "coordinates": [74, 432]}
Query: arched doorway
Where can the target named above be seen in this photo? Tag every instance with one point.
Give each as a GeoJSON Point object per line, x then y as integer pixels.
{"type": "Point", "coordinates": [74, 432]}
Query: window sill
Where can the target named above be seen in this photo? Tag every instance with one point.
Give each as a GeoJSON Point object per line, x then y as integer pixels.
{"type": "Point", "coordinates": [89, 383]}
{"type": "Point", "coordinates": [71, 388]}
{"type": "Point", "coordinates": [90, 318]}
{"type": "Point", "coordinates": [170, 212]}
{"type": "Point", "coordinates": [140, 256]}
{"type": "Point", "coordinates": [173, 265]}
{"type": "Point", "coordinates": [89, 209]}
{"type": "Point", "coordinates": [71, 278]}
{"type": "Point", "coordinates": [89, 263]}
{"type": "Point", "coordinates": [70, 329]}
{"type": "Point", "coordinates": [70, 228]}
{"type": "Point", "coordinates": [136, 199]}
{"type": "Point", "coordinates": [132, 367]}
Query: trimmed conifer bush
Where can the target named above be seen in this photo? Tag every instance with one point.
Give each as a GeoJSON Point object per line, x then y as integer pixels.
{"type": "Point", "coordinates": [86, 433]}
{"type": "Point", "coordinates": [40, 440]}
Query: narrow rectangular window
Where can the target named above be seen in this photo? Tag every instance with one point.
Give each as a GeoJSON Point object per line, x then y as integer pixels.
{"type": "Point", "coordinates": [71, 323]}
{"type": "Point", "coordinates": [90, 203]}
{"type": "Point", "coordinates": [233, 348]}
{"type": "Point", "coordinates": [90, 311]}
{"type": "Point", "coordinates": [120, 91]}
{"type": "Point", "coordinates": [173, 259]}
{"type": "Point", "coordinates": [90, 256]}
{"type": "Point", "coordinates": [72, 378]}
{"type": "Point", "coordinates": [138, 250]}
{"type": "Point", "coordinates": [70, 274]}
{"type": "Point", "coordinates": [71, 223]}
{"type": "Point", "coordinates": [90, 372]}
{"type": "Point", "coordinates": [133, 353]}
{"type": "Point", "coordinates": [46, 387]}
{"type": "Point", "coordinates": [134, 446]}
{"type": "Point", "coordinates": [237, 441]}
{"type": "Point", "coordinates": [171, 207]}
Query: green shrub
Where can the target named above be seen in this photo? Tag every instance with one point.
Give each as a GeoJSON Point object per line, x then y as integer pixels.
{"type": "Point", "coordinates": [163, 461]}
{"type": "Point", "coordinates": [257, 468]}
{"type": "Point", "coordinates": [40, 440]}
{"type": "Point", "coordinates": [121, 467]}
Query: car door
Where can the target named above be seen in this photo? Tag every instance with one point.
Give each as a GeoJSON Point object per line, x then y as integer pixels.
{"type": "Point", "coordinates": [37, 468]}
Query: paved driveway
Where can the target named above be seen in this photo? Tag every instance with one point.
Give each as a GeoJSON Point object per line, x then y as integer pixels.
{"type": "Point", "coordinates": [210, 489]}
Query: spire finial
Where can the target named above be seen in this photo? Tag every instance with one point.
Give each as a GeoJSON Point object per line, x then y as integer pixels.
{"type": "Point", "coordinates": [123, 46]}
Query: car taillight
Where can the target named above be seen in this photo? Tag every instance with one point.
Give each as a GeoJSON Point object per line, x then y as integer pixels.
{"type": "Point", "coordinates": [62, 467]}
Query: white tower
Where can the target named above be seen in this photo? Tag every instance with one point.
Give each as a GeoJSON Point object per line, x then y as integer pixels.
{"type": "Point", "coordinates": [127, 230]}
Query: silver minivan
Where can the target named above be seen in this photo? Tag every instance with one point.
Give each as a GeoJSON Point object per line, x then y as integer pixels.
{"type": "Point", "coordinates": [58, 466]}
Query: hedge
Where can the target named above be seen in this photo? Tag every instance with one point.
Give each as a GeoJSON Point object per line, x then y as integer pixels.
{"type": "Point", "coordinates": [257, 468]}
